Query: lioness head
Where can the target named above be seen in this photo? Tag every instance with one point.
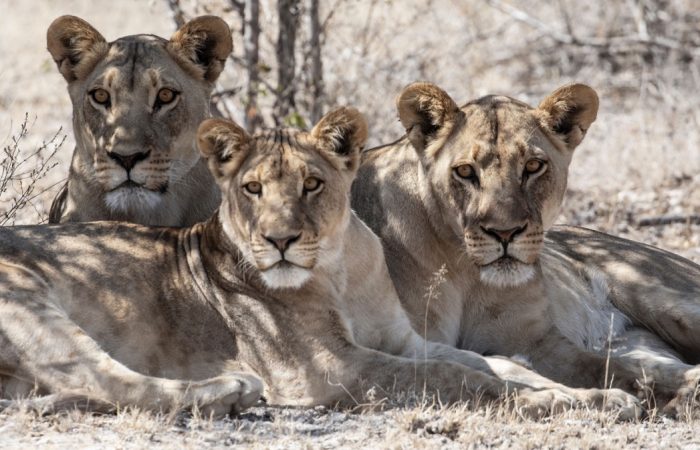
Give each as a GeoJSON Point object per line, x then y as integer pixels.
{"type": "Point", "coordinates": [286, 192]}
{"type": "Point", "coordinates": [137, 103]}
{"type": "Point", "coordinates": [496, 169]}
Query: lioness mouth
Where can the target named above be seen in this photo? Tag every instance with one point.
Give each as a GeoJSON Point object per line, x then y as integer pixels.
{"type": "Point", "coordinates": [506, 261]}
{"type": "Point", "coordinates": [130, 184]}
{"type": "Point", "coordinates": [282, 264]}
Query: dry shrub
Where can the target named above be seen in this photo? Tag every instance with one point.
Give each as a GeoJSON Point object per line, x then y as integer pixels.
{"type": "Point", "coordinates": [22, 174]}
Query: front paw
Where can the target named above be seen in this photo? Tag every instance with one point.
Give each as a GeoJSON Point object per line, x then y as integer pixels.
{"type": "Point", "coordinates": [227, 394]}
{"type": "Point", "coordinates": [687, 397]}
{"type": "Point", "coordinates": [542, 403]}
{"type": "Point", "coordinates": [627, 406]}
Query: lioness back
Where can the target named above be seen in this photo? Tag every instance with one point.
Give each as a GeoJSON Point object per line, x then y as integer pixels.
{"type": "Point", "coordinates": [137, 103]}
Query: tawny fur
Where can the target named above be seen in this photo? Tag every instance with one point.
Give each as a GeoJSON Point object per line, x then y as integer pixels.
{"type": "Point", "coordinates": [170, 185]}
{"type": "Point", "coordinates": [159, 317]}
{"type": "Point", "coordinates": [553, 299]}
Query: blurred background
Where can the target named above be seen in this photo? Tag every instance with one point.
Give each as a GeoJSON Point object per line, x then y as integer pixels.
{"type": "Point", "coordinates": [637, 174]}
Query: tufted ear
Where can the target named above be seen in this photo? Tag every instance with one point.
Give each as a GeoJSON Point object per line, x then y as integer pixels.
{"type": "Point", "coordinates": [224, 144]}
{"type": "Point", "coordinates": [424, 110]}
{"type": "Point", "coordinates": [203, 44]}
{"type": "Point", "coordinates": [342, 134]}
{"type": "Point", "coordinates": [568, 112]}
{"type": "Point", "coordinates": [75, 46]}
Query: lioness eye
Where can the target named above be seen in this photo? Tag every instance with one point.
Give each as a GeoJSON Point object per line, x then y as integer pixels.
{"type": "Point", "coordinates": [311, 184]}
{"type": "Point", "coordinates": [166, 96]}
{"type": "Point", "coordinates": [101, 96]}
{"type": "Point", "coordinates": [464, 171]}
{"type": "Point", "coordinates": [253, 187]}
{"type": "Point", "coordinates": [533, 166]}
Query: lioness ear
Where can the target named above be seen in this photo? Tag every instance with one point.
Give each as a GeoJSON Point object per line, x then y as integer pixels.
{"type": "Point", "coordinates": [342, 133]}
{"type": "Point", "coordinates": [568, 112]}
{"type": "Point", "coordinates": [203, 43]}
{"type": "Point", "coordinates": [224, 144]}
{"type": "Point", "coordinates": [425, 110]}
{"type": "Point", "coordinates": [75, 46]}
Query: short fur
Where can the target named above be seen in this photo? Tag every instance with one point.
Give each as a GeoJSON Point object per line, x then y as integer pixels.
{"type": "Point", "coordinates": [283, 282]}
{"type": "Point", "coordinates": [508, 290]}
{"type": "Point", "coordinates": [169, 183]}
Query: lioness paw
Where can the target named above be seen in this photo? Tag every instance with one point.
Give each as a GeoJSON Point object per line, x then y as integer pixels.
{"type": "Point", "coordinates": [538, 404]}
{"type": "Point", "coordinates": [226, 394]}
{"type": "Point", "coordinates": [627, 406]}
{"type": "Point", "coordinates": [687, 398]}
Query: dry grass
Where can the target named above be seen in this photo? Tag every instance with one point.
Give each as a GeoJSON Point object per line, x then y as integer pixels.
{"type": "Point", "coordinates": [422, 426]}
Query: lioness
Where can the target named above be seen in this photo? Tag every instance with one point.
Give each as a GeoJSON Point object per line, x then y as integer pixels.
{"type": "Point", "coordinates": [283, 281]}
{"type": "Point", "coordinates": [473, 190]}
{"type": "Point", "coordinates": [137, 103]}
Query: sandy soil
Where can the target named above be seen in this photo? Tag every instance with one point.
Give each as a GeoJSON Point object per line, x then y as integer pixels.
{"type": "Point", "coordinates": [283, 428]}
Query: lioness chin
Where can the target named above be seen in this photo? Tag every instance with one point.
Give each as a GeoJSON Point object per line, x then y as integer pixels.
{"type": "Point", "coordinates": [472, 190]}
{"type": "Point", "coordinates": [283, 281]}
{"type": "Point", "coordinates": [137, 103]}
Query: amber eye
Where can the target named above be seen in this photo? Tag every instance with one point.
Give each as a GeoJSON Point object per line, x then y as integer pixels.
{"type": "Point", "coordinates": [165, 96]}
{"type": "Point", "coordinates": [253, 187]}
{"type": "Point", "coordinates": [101, 96]}
{"type": "Point", "coordinates": [464, 171]}
{"type": "Point", "coordinates": [312, 184]}
{"type": "Point", "coordinates": [533, 166]}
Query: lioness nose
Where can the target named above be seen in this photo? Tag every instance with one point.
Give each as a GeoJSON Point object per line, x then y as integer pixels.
{"type": "Point", "coordinates": [505, 236]}
{"type": "Point", "coordinates": [282, 243]}
{"type": "Point", "coordinates": [128, 161]}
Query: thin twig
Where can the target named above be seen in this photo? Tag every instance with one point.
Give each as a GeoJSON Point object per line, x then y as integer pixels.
{"type": "Point", "coordinates": [669, 219]}
{"type": "Point", "coordinates": [618, 44]}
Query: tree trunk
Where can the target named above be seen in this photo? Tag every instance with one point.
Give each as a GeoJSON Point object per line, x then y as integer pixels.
{"type": "Point", "coordinates": [288, 11]}
{"type": "Point", "coordinates": [316, 64]}
{"type": "Point", "coordinates": [251, 42]}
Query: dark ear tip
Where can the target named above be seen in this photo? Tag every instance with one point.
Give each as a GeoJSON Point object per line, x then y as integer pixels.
{"type": "Point", "coordinates": [217, 27]}
{"type": "Point", "coordinates": [208, 124]}
{"type": "Point", "coordinates": [210, 129]}
{"type": "Point", "coordinates": [65, 19]}
{"type": "Point", "coordinates": [59, 28]}
{"type": "Point", "coordinates": [418, 89]}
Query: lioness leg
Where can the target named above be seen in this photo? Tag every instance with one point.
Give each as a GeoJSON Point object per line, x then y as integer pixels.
{"type": "Point", "coordinates": [656, 289]}
{"type": "Point", "coordinates": [672, 314]}
{"type": "Point", "coordinates": [674, 382]}
{"type": "Point", "coordinates": [39, 344]}
{"type": "Point", "coordinates": [555, 357]}
{"type": "Point", "coordinates": [626, 405]}
{"type": "Point", "coordinates": [449, 382]}
{"type": "Point", "coordinates": [636, 361]}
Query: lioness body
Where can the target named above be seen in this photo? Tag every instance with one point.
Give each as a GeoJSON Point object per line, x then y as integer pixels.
{"type": "Point", "coordinates": [484, 233]}
{"type": "Point", "coordinates": [137, 103]}
{"type": "Point", "coordinates": [284, 281]}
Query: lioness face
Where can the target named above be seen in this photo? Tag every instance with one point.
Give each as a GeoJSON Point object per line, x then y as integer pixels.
{"type": "Point", "coordinates": [137, 103]}
{"type": "Point", "coordinates": [286, 192]}
{"type": "Point", "coordinates": [497, 169]}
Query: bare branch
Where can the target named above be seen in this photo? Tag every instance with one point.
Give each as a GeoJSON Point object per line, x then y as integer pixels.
{"type": "Point", "coordinates": [21, 173]}
{"type": "Point", "coordinates": [670, 219]}
{"type": "Point", "coordinates": [316, 64]}
{"type": "Point", "coordinates": [177, 13]}
{"type": "Point", "coordinates": [637, 43]}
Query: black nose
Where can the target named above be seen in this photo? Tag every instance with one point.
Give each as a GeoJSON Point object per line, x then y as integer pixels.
{"type": "Point", "coordinates": [282, 243]}
{"type": "Point", "coordinates": [504, 236]}
{"type": "Point", "coordinates": [128, 161]}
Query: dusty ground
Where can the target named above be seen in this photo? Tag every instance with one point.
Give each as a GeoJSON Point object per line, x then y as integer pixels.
{"type": "Point", "coordinates": [415, 427]}
{"type": "Point", "coordinates": [641, 159]}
